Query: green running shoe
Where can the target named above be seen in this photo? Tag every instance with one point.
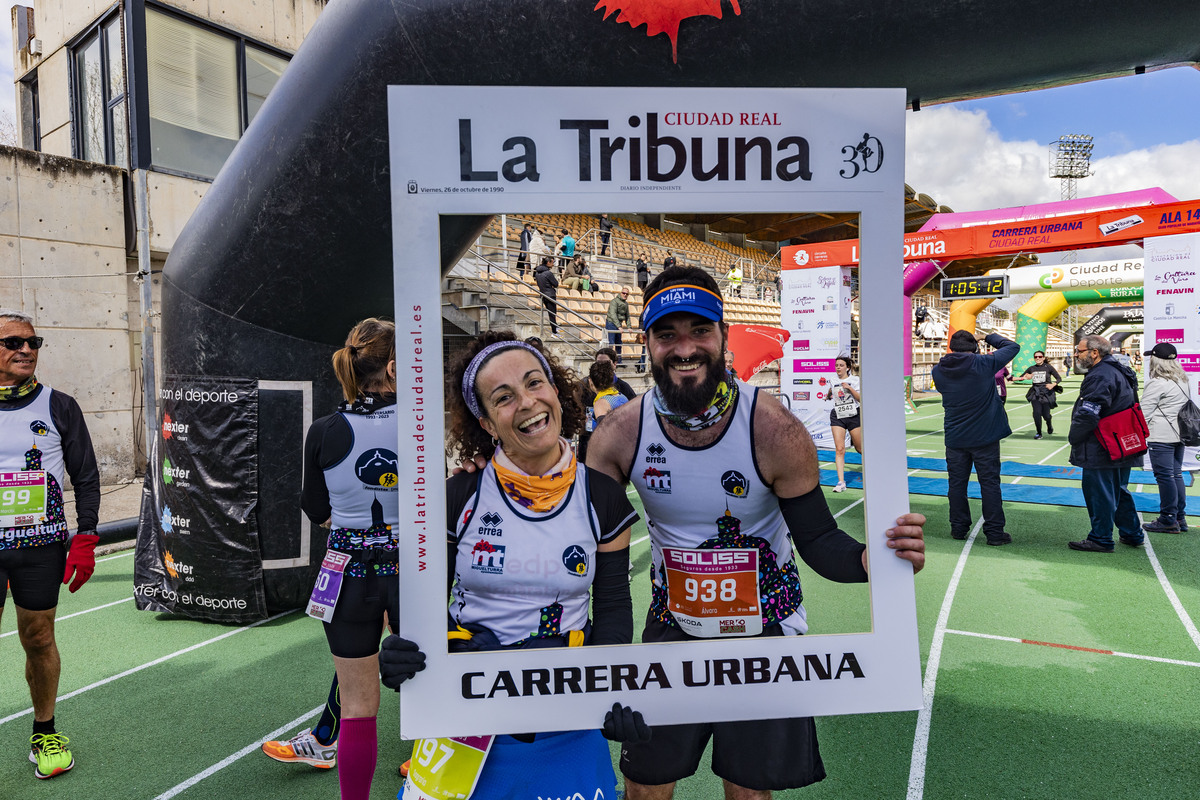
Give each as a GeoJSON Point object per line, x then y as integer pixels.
{"type": "Point", "coordinates": [49, 752]}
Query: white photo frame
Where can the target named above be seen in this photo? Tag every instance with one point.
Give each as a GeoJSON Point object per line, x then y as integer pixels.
{"type": "Point", "coordinates": [438, 169]}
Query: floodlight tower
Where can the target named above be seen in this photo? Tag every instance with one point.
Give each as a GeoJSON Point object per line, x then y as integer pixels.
{"type": "Point", "coordinates": [1070, 160]}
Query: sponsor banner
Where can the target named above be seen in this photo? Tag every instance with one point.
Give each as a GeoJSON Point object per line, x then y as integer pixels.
{"type": "Point", "coordinates": [459, 150]}
{"type": "Point", "coordinates": [197, 549]}
{"type": "Point", "coordinates": [1069, 232]}
{"type": "Point", "coordinates": [1101, 275]}
{"type": "Point", "coordinates": [815, 308]}
{"type": "Point", "coordinates": [1172, 309]}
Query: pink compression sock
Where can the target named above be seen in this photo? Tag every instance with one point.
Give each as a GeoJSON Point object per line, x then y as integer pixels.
{"type": "Point", "coordinates": [358, 746]}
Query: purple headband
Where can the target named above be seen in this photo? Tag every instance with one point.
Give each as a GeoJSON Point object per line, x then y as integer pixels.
{"type": "Point", "coordinates": [472, 371]}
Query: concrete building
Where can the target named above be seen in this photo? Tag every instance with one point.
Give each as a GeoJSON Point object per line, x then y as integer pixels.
{"type": "Point", "coordinates": [113, 96]}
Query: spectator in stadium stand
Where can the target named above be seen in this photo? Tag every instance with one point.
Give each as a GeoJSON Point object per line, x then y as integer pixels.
{"type": "Point", "coordinates": [587, 395]}
{"type": "Point", "coordinates": [1109, 387]}
{"type": "Point", "coordinates": [43, 436]}
{"type": "Point", "coordinates": [523, 258]}
{"type": "Point", "coordinates": [744, 473]}
{"type": "Point", "coordinates": [606, 227]}
{"type": "Point", "coordinates": [587, 281]}
{"type": "Point", "coordinates": [618, 318]}
{"type": "Point", "coordinates": [669, 261]}
{"type": "Point", "coordinates": [974, 424]}
{"type": "Point", "coordinates": [572, 278]}
{"type": "Point", "coordinates": [513, 407]}
{"type": "Point", "coordinates": [602, 377]}
{"type": "Point", "coordinates": [643, 272]}
{"type": "Point", "coordinates": [548, 285]}
{"type": "Point", "coordinates": [735, 280]}
{"type": "Point", "coordinates": [538, 250]}
{"type": "Point", "coordinates": [566, 246]}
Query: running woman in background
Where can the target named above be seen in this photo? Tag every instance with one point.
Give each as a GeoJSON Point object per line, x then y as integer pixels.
{"type": "Point", "coordinates": [844, 417]}
{"type": "Point", "coordinates": [1041, 395]}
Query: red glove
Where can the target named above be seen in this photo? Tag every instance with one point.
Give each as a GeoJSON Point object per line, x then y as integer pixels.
{"type": "Point", "coordinates": [81, 559]}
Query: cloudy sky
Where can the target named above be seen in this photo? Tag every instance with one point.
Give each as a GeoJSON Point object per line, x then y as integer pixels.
{"type": "Point", "coordinates": [994, 153]}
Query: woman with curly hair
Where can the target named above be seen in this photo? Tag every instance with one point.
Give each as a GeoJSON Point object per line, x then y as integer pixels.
{"type": "Point", "coordinates": [515, 406]}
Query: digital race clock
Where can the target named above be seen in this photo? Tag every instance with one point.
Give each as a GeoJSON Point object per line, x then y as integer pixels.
{"type": "Point", "coordinates": [971, 288]}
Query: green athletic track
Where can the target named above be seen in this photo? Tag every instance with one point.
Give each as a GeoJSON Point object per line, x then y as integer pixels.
{"type": "Point", "coordinates": [159, 707]}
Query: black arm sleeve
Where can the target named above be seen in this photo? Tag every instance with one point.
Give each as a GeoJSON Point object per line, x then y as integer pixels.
{"type": "Point", "coordinates": [612, 606]}
{"type": "Point", "coordinates": [829, 551]}
{"type": "Point", "coordinates": [329, 441]}
{"type": "Point", "coordinates": [613, 510]}
{"type": "Point", "coordinates": [79, 458]}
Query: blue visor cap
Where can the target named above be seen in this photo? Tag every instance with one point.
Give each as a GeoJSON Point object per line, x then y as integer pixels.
{"type": "Point", "coordinates": [686, 297]}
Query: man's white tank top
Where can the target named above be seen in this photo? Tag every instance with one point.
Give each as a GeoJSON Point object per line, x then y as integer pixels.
{"type": "Point", "coordinates": [29, 441]}
{"type": "Point", "coordinates": [687, 491]}
{"type": "Point", "coordinates": [523, 574]}
{"type": "Point", "coordinates": [362, 486]}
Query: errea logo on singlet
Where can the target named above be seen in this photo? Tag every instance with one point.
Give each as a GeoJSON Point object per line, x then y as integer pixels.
{"type": "Point", "coordinates": [654, 454]}
{"type": "Point", "coordinates": [491, 524]}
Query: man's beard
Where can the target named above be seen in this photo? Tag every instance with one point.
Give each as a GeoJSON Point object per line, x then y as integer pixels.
{"type": "Point", "coordinates": [694, 396]}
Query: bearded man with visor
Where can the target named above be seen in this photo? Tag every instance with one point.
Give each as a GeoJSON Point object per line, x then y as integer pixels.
{"type": "Point", "coordinates": [719, 464]}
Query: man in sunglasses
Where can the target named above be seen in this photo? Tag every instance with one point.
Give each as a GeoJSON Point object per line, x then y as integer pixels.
{"type": "Point", "coordinates": [1109, 387]}
{"type": "Point", "coordinates": [43, 440]}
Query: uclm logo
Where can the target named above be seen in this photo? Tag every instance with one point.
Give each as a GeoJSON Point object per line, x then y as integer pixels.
{"type": "Point", "coordinates": [662, 16]}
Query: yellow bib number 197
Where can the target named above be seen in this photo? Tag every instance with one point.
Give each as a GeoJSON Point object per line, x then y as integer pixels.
{"type": "Point", "coordinates": [446, 769]}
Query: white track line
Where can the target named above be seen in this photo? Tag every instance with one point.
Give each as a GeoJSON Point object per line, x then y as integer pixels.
{"type": "Point", "coordinates": [1188, 625]}
{"type": "Point", "coordinates": [240, 754]}
{"type": "Point", "coordinates": [916, 770]}
{"type": "Point", "coordinates": [1070, 648]}
{"type": "Point", "coordinates": [126, 554]}
{"type": "Point", "coordinates": [149, 664]}
{"type": "Point", "coordinates": [77, 613]}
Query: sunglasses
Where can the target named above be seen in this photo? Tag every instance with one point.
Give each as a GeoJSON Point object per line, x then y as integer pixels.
{"type": "Point", "coordinates": [15, 342]}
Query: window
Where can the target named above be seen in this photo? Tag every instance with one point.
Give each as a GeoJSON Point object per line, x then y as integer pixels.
{"type": "Point", "coordinates": [31, 114]}
{"type": "Point", "coordinates": [204, 88]}
{"type": "Point", "coordinates": [100, 132]}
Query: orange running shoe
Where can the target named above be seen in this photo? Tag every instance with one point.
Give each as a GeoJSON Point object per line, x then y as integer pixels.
{"type": "Point", "coordinates": [303, 748]}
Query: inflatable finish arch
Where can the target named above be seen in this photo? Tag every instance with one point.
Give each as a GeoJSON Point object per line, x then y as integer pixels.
{"type": "Point", "coordinates": [291, 245]}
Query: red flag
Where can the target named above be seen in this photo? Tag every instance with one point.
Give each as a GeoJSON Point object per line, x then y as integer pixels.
{"type": "Point", "coordinates": [754, 347]}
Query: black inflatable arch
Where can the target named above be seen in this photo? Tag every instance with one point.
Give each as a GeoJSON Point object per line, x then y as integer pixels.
{"type": "Point", "coordinates": [291, 244]}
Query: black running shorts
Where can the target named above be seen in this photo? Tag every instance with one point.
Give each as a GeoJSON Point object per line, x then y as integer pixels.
{"type": "Point", "coordinates": [764, 755]}
{"type": "Point", "coordinates": [849, 423]}
{"type": "Point", "coordinates": [34, 574]}
{"type": "Point", "coordinates": [357, 624]}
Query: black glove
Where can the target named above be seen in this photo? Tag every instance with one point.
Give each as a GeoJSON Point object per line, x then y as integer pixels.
{"type": "Point", "coordinates": [399, 660]}
{"type": "Point", "coordinates": [625, 725]}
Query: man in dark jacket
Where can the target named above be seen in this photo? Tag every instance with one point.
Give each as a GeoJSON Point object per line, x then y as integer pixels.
{"type": "Point", "coordinates": [548, 285]}
{"type": "Point", "coordinates": [1107, 388]}
{"type": "Point", "coordinates": [974, 424]}
{"type": "Point", "coordinates": [523, 258]}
